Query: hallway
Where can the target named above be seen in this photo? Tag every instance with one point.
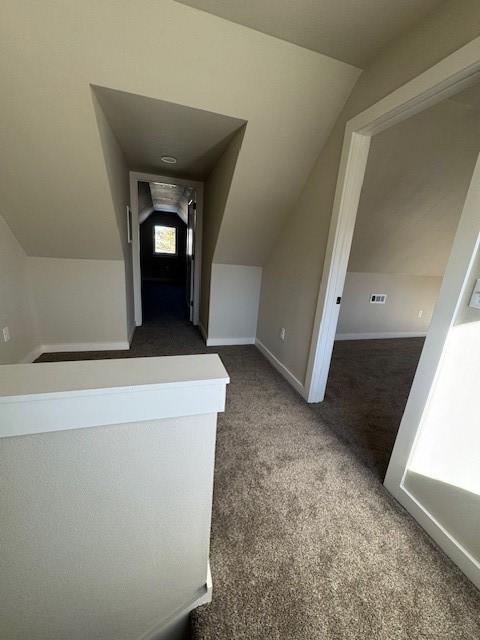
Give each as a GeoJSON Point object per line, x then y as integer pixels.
{"type": "Point", "coordinates": [306, 543]}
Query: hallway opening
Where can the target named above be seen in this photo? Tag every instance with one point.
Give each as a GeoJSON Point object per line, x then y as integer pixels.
{"type": "Point", "coordinates": [166, 250]}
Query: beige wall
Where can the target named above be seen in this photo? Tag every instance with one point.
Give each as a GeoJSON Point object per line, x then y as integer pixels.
{"type": "Point", "coordinates": [58, 147]}
{"type": "Point", "coordinates": [416, 180]}
{"type": "Point", "coordinates": [407, 296]}
{"type": "Point", "coordinates": [217, 189]}
{"type": "Point", "coordinates": [16, 309]}
{"type": "Point", "coordinates": [226, 68]}
{"type": "Point", "coordinates": [291, 277]}
{"type": "Point", "coordinates": [415, 185]}
{"type": "Point", "coordinates": [79, 301]}
{"type": "Point", "coordinates": [119, 182]}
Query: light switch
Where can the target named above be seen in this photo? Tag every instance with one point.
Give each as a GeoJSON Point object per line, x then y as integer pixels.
{"type": "Point", "coordinates": [475, 299]}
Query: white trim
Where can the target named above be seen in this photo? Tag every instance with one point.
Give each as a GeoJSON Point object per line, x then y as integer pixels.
{"type": "Point", "coordinates": [85, 346]}
{"type": "Point", "coordinates": [159, 631]}
{"type": "Point", "coordinates": [281, 368]}
{"type": "Point", "coordinates": [73, 395]}
{"type": "Point", "coordinates": [454, 550]}
{"type": "Point", "coordinates": [135, 178]}
{"type": "Point", "coordinates": [380, 335]}
{"type": "Point", "coordinates": [35, 353]}
{"type": "Point", "coordinates": [449, 76]}
{"type": "Point", "coordinates": [219, 342]}
{"type": "Point", "coordinates": [202, 331]}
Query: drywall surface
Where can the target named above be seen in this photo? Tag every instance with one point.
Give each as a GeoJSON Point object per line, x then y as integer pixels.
{"type": "Point", "coordinates": [457, 510]}
{"type": "Point", "coordinates": [235, 291]}
{"type": "Point", "coordinates": [79, 301]}
{"type": "Point", "coordinates": [16, 309]}
{"type": "Point", "coordinates": [118, 178]}
{"type": "Point", "coordinates": [108, 528]}
{"type": "Point", "coordinates": [408, 297]}
{"type": "Point", "coordinates": [416, 181]}
{"type": "Point", "coordinates": [289, 96]}
{"type": "Point", "coordinates": [292, 274]}
{"type": "Point", "coordinates": [443, 468]}
{"type": "Point", "coordinates": [217, 188]}
{"type": "Point", "coordinates": [448, 445]}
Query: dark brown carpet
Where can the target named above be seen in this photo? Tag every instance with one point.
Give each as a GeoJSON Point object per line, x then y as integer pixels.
{"type": "Point", "coordinates": [306, 542]}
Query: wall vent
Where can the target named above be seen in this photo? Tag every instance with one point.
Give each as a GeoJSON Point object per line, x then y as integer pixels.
{"type": "Point", "coordinates": [378, 298]}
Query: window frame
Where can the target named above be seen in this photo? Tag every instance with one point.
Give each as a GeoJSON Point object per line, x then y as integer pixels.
{"type": "Point", "coordinates": [163, 254]}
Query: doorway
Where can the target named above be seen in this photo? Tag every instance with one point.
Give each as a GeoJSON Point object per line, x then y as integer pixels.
{"type": "Point", "coordinates": [416, 180]}
{"type": "Point", "coordinates": [166, 247]}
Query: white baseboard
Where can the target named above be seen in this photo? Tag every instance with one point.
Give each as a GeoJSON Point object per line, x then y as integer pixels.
{"type": "Point", "coordinates": [454, 550]}
{"type": "Point", "coordinates": [86, 346]}
{"type": "Point", "coordinates": [73, 347]}
{"type": "Point", "coordinates": [218, 342]}
{"type": "Point", "coordinates": [166, 629]}
{"type": "Point", "coordinates": [281, 368]}
{"type": "Point", "coordinates": [380, 335]}
{"type": "Point", "coordinates": [202, 331]}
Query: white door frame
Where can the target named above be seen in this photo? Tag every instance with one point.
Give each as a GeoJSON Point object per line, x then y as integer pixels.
{"type": "Point", "coordinates": [135, 178]}
{"type": "Point", "coordinates": [456, 72]}
{"type": "Point", "coordinates": [446, 78]}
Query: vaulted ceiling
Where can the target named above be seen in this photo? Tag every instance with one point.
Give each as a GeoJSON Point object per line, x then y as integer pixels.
{"type": "Point", "coordinates": [350, 30]}
{"type": "Point", "coordinates": [60, 195]}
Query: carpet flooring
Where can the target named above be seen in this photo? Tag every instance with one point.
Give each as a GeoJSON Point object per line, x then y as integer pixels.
{"type": "Point", "coordinates": [306, 542]}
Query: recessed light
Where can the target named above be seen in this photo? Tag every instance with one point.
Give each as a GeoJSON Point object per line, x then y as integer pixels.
{"type": "Point", "coordinates": [168, 160]}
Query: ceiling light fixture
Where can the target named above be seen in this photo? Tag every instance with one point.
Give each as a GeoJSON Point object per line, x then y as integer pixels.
{"type": "Point", "coordinates": [168, 160]}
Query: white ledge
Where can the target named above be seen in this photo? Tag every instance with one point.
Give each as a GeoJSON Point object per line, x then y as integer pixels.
{"type": "Point", "coordinates": [55, 396]}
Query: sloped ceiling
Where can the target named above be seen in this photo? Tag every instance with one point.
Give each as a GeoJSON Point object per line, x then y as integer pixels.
{"type": "Point", "coordinates": [171, 198]}
{"type": "Point", "coordinates": [350, 30]}
{"type": "Point", "coordinates": [148, 129]}
{"type": "Point", "coordinates": [54, 185]}
{"type": "Point", "coordinates": [416, 180]}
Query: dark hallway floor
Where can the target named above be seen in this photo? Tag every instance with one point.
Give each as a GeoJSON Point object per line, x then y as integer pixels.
{"type": "Point", "coordinates": [306, 542]}
{"type": "Point", "coordinates": [164, 301]}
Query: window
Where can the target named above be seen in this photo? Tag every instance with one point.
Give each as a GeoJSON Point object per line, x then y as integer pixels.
{"type": "Point", "coordinates": [164, 240]}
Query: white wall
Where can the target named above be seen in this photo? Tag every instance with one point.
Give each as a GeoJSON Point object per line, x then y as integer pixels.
{"type": "Point", "coordinates": [16, 309]}
{"type": "Point", "coordinates": [235, 292]}
{"type": "Point", "coordinates": [80, 304]}
{"type": "Point", "coordinates": [108, 528]}
{"type": "Point", "coordinates": [407, 296]}
{"type": "Point", "coordinates": [443, 470]}
{"type": "Point", "coordinates": [448, 447]}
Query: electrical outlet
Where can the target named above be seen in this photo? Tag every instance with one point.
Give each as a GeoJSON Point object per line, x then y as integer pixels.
{"type": "Point", "coordinates": [420, 313]}
{"type": "Point", "coordinates": [378, 298]}
{"type": "Point", "coordinates": [6, 334]}
{"type": "Point", "coordinates": [283, 332]}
